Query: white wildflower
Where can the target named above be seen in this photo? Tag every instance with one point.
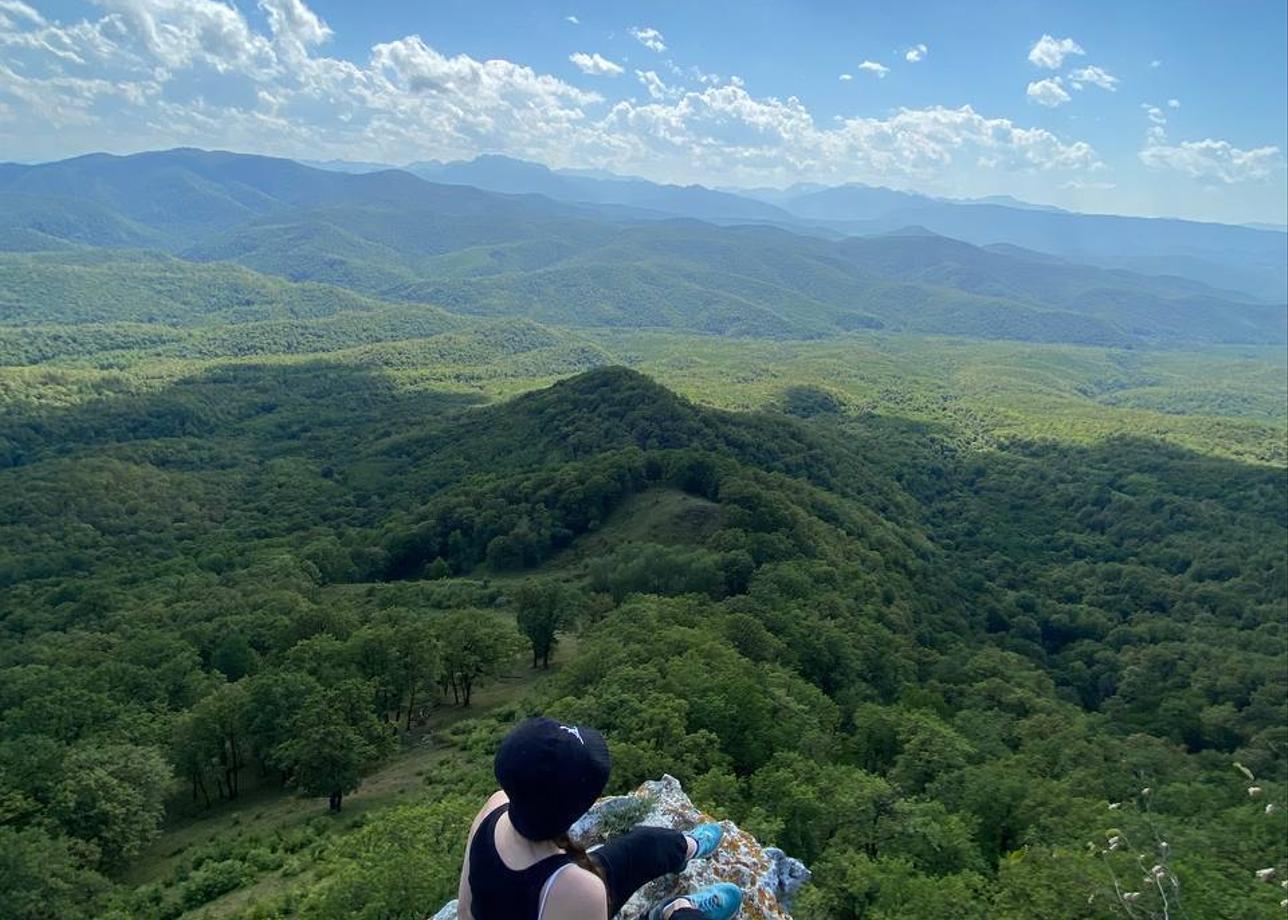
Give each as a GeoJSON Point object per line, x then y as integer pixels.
{"type": "Point", "coordinates": [1114, 806]}
{"type": "Point", "coordinates": [1115, 842]}
{"type": "Point", "coordinates": [1266, 875]}
{"type": "Point", "coordinates": [1271, 808]}
{"type": "Point", "coordinates": [1147, 791]}
{"type": "Point", "coordinates": [1131, 897]}
{"type": "Point", "coordinates": [1255, 791]}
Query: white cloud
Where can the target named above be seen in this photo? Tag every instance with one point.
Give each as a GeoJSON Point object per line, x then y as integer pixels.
{"type": "Point", "coordinates": [1156, 63]}
{"type": "Point", "coordinates": [1048, 92]}
{"type": "Point", "coordinates": [1085, 185]}
{"type": "Point", "coordinates": [1096, 76]}
{"type": "Point", "coordinates": [573, 19]}
{"type": "Point", "coordinates": [1173, 103]}
{"type": "Point", "coordinates": [1212, 160]}
{"type": "Point", "coordinates": [846, 76]}
{"type": "Point", "coordinates": [595, 65]}
{"type": "Point", "coordinates": [22, 11]}
{"type": "Point", "coordinates": [1154, 113]}
{"type": "Point", "coordinates": [156, 73]}
{"type": "Point", "coordinates": [650, 38]}
{"type": "Point", "coordinates": [873, 67]}
{"type": "Point", "coordinates": [295, 27]}
{"type": "Point", "coordinates": [657, 89]}
{"type": "Point", "coordinates": [915, 53]}
{"type": "Point", "coordinates": [1050, 52]}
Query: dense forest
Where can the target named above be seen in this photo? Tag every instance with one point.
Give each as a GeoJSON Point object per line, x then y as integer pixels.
{"type": "Point", "coordinates": [946, 678]}
{"type": "Point", "coordinates": [957, 572]}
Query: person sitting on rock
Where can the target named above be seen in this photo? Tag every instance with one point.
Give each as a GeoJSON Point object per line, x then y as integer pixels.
{"type": "Point", "coordinates": [520, 864]}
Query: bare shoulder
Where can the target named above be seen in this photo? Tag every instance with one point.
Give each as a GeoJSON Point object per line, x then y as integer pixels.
{"type": "Point", "coordinates": [576, 895]}
{"type": "Point", "coordinates": [495, 801]}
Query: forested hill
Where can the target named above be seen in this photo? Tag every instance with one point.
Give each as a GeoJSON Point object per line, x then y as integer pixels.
{"type": "Point", "coordinates": [395, 237]}
{"type": "Point", "coordinates": [932, 672]}
{"type": "Point", "coordinates": [956, 571]}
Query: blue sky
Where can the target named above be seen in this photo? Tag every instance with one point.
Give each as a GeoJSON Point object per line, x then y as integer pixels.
{"type": "Point", "coordinates": [1155, 108]}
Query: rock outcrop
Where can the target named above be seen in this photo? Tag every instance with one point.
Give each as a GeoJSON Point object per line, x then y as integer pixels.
{"type": "Point", "coordinates": [767, 876]}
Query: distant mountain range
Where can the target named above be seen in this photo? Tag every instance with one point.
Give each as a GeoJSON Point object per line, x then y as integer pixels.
{"type": "Point", "coordinates": [636, 255]}
{"type": "Point", "coordinates": [1249, 259]}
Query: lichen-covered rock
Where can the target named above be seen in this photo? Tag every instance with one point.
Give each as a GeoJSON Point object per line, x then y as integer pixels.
{"type": "Point", "coordinates": [447, 913]}
{"type": "Point", "coordinates": [767, 876]}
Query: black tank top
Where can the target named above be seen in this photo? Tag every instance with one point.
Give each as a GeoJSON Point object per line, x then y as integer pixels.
{"type": "Point", "coordinates": [498, 892]}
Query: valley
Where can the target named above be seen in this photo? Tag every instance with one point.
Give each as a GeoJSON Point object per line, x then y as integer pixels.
{"type": "Point", "coordinates": [930, 562]}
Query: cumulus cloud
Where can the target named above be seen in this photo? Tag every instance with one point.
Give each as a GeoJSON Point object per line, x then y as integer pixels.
{"type": "Point", "coordinates": [649, 38]}
{"type": "Point", "coordinates": [915, 54]}
{"type": "Point", "coordinates": [573, 19]}
{"type": "Point", "coordinates": [594, 64]}
{"type": "Point", "coordinates": [152, 73]}
{"type": "Point", "coordinates": [1211, 160]}
{"type": "Point", "coordinates": [1173, 103]}
{"type": "Point", "coordinates": [1094, 76]}
{"type": "Point", "coordinates": [873, 67]}
{"type": "Point", "coordinates": [846, 76]}
{"type": "Point", "coordinates": [657, 89]}
{"type": "Point", "coordinates": [1156, 63]}
{"type": "Point", "coordinates": [1049, 92]}
{"type": "Point", "coordinates": [1050, 52]}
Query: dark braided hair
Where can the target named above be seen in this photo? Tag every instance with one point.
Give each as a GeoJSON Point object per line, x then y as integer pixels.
{"type": "Point", "coordinates": [580, 857]}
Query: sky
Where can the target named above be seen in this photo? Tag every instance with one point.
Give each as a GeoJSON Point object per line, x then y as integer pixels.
{"type": "Point", "coordinates": [1149, 107]}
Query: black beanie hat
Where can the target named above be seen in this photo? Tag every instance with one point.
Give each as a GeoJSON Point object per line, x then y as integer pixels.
{"type": "Point", "coordinates": [552, 773]}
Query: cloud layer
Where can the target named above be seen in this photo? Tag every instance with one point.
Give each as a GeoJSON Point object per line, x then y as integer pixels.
{"type": "Point", "coordinates": [150, 73]}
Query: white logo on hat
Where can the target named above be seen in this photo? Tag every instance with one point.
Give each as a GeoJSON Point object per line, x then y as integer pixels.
{"type": "Point", "coordinates": [574, 731]}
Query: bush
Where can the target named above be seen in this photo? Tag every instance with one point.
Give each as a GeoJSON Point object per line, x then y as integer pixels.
{"type": "Point", "coordinates": [214, 879]}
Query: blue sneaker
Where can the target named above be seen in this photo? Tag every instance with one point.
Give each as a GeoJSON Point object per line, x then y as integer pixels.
{"type": "Point", "coordinates": [719, 902]}
{"type": "Point", "coordinates": [708, 837]}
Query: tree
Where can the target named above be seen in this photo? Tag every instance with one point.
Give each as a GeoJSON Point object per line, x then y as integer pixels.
{"type": "Point", "coordinates": [112, 796]}
{"type": "Point", "coordinates": [273, 701]}
{"type": "Point", "coordinates": [334, 740]}
{"type": "Point", "coordinates": [234, 657]}
{"type": "Point", "coordinates": [374, 652]}
{"type": "Point", "coordinates": [215, 730]}
{"type": "Point", "coordinates": [541, 608]}
{"type": "Point", "coordinates": [475, 645]}
{"type": "Point", "coordinates": [418, 657]}
{"type": "Point", "coordinates": [42, 878]}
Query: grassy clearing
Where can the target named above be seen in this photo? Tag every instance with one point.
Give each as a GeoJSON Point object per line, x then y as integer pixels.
{"type": "Point", "coordinates": [268, 817]}
{"type": "Point", "coordinates": [663, 515]}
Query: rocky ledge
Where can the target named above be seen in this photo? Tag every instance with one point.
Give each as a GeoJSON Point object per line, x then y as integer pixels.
{"type": "Point", "coordinates": [768, 877]}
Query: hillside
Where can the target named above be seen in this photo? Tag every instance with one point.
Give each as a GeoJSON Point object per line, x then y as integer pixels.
{"type": "Point", "coordinates": [1247, 259]}
{"type": "Point", "coordinates": [877, 647]}
{"type": "Point", "coordinates": [393, 236]}
{"type": "Point", "coordinates": [1242, 258]}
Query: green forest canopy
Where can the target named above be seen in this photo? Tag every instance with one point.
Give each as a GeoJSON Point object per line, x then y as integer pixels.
{"type": "Point", "coordinates": [988, 626]}
{"type": "Point", "coordinates": [977, 640]}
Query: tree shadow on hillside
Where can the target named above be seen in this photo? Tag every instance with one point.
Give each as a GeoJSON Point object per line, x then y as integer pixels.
{"type": "Point", "coordinates": [317, 408]}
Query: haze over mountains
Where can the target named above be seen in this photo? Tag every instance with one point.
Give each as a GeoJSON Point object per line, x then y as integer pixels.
{"type": "Point", "coordinates": [497, 237]}
{"type": "Point", "coordinates": [1220, 255]}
